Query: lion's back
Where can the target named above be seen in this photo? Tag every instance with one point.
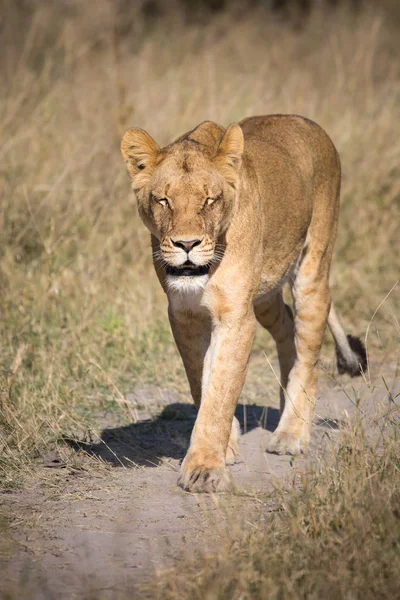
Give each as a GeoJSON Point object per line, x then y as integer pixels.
{"type": "Point", "coordinates": [304, 142]}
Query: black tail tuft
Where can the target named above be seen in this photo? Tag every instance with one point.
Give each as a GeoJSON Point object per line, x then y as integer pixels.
{"type": "Point", "coordinates": [359, 365]}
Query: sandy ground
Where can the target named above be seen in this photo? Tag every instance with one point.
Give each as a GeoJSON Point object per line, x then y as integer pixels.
{"type": "Point", "coordinates": [98, 524]}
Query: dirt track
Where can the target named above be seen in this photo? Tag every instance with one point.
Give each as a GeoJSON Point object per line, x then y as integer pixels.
{"type": "Point", "coordinates": [98, 525]}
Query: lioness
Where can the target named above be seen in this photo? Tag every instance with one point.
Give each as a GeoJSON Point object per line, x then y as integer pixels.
{"type": "Point", "coordinates": [234, 214]}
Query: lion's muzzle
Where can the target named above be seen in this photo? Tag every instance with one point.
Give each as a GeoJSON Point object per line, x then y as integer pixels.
{"type": "Point", "coordinates": [187, 253]}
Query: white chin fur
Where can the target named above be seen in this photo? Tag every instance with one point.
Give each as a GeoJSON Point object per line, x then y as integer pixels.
{"type": "Point", "coordinates": [184, 285]}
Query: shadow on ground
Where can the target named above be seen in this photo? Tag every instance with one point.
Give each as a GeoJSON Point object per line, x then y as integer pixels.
{"type": "Point", "coordinates": [149, 442]}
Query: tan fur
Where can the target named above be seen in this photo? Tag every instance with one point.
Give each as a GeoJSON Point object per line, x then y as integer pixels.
{"type": "Point", "coordinates": [273, 188]}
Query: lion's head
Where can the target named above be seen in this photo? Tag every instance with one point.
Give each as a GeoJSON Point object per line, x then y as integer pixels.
{"type": "Point", "coordinates": [187, 191]}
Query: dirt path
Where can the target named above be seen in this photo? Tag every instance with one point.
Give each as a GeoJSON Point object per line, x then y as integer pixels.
{"type": "Point", "coordinates": [95, 524]}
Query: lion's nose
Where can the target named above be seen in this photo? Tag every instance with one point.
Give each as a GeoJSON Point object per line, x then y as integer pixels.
{"type": "Point", "coordinates": [186, 245]}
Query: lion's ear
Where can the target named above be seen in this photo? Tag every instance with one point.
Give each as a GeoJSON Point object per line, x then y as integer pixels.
{"type": "Point", "coordinates": [231, 146]}
{"type": "Point", "coordinates": [229, 154]}
{"type": "Point", "coordinates": [139, 150]}
{"type": "Point", "coordinates": [207, 134]}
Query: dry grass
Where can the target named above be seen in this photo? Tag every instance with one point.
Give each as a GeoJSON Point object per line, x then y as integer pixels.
{"type": "Point", "coordinates": [83, 319]}
{"type": "Point", "coordinates": [336, 535]}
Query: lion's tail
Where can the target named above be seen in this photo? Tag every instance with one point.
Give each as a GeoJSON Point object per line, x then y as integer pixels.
{"type": "Point", "coordinates": [351, 356]}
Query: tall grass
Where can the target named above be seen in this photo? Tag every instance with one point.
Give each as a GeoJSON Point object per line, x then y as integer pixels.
{"type": "Point", "coordinates": [82, 317]}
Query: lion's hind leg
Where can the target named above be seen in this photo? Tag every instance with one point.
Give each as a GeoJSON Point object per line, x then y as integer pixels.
{"type": "Point", "coordinates": [277, 318]}
{"type": "Point", "coordinates": [312, 302]}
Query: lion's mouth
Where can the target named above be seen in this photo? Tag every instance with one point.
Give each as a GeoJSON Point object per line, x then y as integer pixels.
{"type": "Point", "coordinates": [188, 269]}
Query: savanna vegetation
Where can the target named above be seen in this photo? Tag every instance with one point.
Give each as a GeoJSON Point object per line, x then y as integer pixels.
{"type": "Point", "coordinates": [83, 320]}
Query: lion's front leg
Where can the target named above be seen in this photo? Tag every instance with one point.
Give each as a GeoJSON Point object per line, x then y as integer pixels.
{"type": "Point", "coordinates": [192, 334]}
{"type": "Point", "coordinates": [203, 469]}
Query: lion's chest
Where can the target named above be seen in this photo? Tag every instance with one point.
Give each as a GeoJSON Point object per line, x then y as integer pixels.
{"type": "Point", "coordinates": [186, 293]}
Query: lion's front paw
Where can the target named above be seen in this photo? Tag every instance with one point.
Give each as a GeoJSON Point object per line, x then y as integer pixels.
{"type": "Point", "coordinates": [286, 442]}
{"type": "Point", "coordinates": [203, 471]}
{"type": "Point", "coordinates": [204, 479]}
{"type": "Point", "coordinates": [232, 455]}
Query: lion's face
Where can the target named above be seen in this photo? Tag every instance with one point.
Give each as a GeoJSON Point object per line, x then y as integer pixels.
{"type": "Point", "coordinates": [187, 203]}
{"type": "Point", "coordinates": [186, 195]}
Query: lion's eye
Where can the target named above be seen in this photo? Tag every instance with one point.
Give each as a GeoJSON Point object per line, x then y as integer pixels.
{"type": "Point", "coordinates": [211, 200]}
{"type": "Point", "coordinates": [162, 201]}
